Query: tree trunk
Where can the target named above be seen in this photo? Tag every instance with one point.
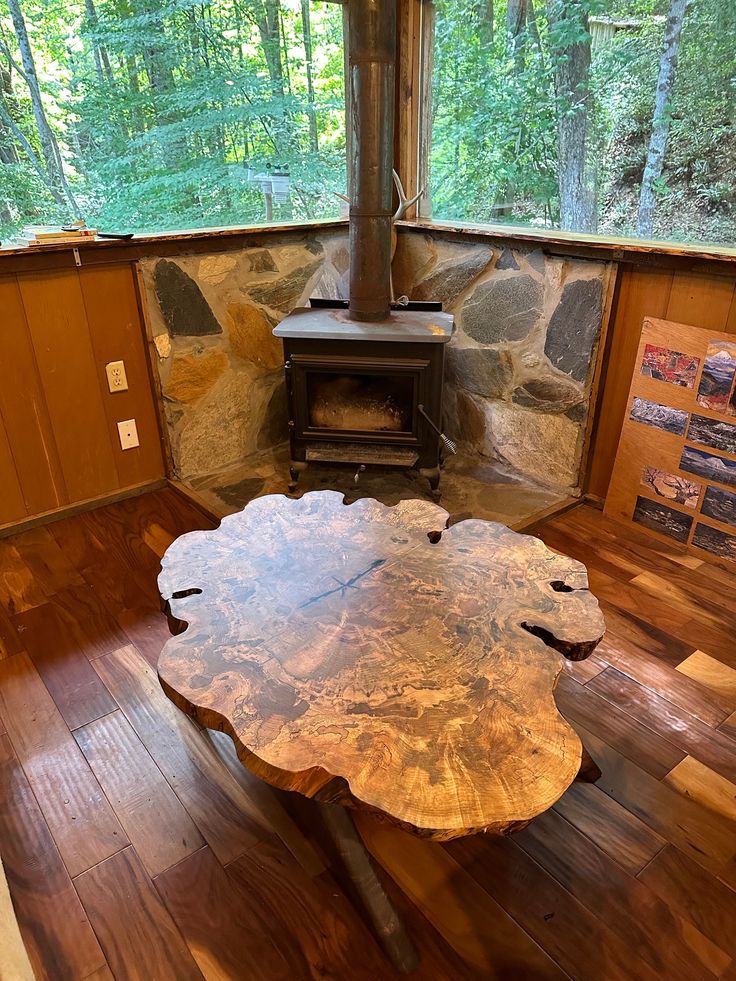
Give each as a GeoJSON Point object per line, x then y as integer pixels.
{"type": "Point", "coordinates": [662, 118]}
{"type": "Point", "coordinates": [103, 68]}
{"type": "Point", "coordinates": [8, 151]}
{"type": "Point", "coordinates": [49, 148]}
{"type": "Point", "coordinates": [570, 47]}
{"type": "Point", "coordinates": [311, 112]}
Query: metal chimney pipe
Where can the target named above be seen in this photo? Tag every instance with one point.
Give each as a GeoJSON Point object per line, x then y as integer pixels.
{"type": "Point", "coordinates": [372, 57]}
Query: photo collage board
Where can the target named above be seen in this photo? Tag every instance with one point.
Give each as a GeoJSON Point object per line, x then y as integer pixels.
{"type": "Point", "coordinates": [675, 469]}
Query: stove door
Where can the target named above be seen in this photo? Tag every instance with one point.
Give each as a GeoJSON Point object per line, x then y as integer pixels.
{"type": "Point", "coordinates": [358, 399]}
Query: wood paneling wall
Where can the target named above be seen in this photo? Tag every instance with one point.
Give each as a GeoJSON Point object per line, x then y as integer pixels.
{"type": "Point", "coordinates": [703, 300]}
{"type": "Point", "coordinates": [59, 442]}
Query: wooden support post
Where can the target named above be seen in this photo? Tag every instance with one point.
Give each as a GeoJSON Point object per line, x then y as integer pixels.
{"type": "Point", "coordinates": [383, 917]}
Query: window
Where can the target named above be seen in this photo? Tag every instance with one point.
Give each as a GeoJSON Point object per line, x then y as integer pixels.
{"type": "Point", "coordinates": [141, 115]}
{"type": "Point", "coordinates": [546, 116]}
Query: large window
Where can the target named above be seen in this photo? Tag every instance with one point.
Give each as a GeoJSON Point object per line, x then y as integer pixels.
{"type": "Point", "coordinates": [607, 116]}
{"type": "Point", "coordinates": [152, 115]}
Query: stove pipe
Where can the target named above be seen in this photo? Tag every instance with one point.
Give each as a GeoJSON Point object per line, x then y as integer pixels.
{"type": "Point", "coordinates": [372, 56]}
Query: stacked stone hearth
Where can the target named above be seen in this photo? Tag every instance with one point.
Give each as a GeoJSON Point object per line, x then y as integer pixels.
{"type": "Point", "coordinates": [220, 366]}
{"type": "Point", "coordinates": [520, 367]}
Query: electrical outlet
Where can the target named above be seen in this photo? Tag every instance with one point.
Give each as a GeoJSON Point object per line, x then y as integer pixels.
{"type": "Point", "coordinates": [116, 378]}
{"type": "Point", "coordinates": [128, 432]}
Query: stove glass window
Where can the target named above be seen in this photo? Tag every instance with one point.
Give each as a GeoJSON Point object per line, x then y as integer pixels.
{"type": "Point", "coordinates": [360, 402]}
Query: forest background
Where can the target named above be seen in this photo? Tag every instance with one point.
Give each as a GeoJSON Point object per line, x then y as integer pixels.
{"type": "Point", "coordinates": [607, 116]}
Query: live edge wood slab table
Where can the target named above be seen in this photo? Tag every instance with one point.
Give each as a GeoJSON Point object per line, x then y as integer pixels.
{"type": "Point", "coordinates": [373, 657]}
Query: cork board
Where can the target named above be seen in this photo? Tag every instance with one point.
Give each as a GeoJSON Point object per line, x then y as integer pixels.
{"type": "Point", "coordinates": [675, 469]}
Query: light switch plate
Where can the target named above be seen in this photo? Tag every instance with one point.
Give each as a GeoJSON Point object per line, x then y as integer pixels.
{"type": "Point", "coordinates": [117, 380]}
{"type": "Point", "coordinates": [128, 432]}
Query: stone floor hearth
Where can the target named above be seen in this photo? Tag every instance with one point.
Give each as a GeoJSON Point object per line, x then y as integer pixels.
{"type": "Point", "coordinates": [470, 484]}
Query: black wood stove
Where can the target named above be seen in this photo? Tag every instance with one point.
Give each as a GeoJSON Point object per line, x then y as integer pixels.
{"type": "Point", "coordinates": [366, 393]}
{"type": "Point", "coordinates": [364, 378]}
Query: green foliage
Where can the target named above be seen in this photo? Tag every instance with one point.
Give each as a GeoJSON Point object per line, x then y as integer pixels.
{"type": "Point", "coordinates": [495, 115]}
{"type": "Point", "coordinates": [160, 108]}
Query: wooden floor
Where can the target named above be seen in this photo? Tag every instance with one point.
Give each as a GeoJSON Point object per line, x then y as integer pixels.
{"type": "Point", "coordinates": [137, 847]}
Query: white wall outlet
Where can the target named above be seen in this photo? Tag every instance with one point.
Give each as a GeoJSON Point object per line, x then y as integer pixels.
{"type": "Point", "coordinates": [117, 380]}
{"type": "Point", "coordinates": [128, 432]}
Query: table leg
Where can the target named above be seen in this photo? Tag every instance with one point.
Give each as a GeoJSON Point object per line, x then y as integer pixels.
{"type": "Point", "coordinates": [385, 920]}
{"type": "Point", "coordinates": [589, 770]}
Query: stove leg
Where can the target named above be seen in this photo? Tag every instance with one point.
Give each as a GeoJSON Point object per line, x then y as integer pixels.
{"type": "Point", "coordinates": [433, 475]}
{"type": "Point", "coordinates": [384, 919]}
{"type": "Point", "coordinates": [296, 467]}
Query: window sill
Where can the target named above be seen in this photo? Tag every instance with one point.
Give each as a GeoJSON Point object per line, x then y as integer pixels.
{"type": "Point", "coordinates": [141, 244]}
{"type": "Point", "coordinates": [609, 248]}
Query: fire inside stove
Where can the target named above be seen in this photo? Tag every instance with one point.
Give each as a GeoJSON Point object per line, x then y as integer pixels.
{"type": "Point", "coordinates": [360, 403]}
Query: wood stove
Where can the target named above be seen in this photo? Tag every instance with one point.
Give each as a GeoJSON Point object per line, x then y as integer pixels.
{"type": "Point", "coordinates": [364, 379]}
{"type": "Point", "coordinates": [366, 393]}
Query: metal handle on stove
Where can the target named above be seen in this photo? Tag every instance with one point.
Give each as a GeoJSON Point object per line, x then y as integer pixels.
{"type": "Point", "coordinates": [449, 444]}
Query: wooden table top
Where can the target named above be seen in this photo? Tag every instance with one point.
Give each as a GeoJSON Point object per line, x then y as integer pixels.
{"type": "Point", "coordinates": [370, 655]}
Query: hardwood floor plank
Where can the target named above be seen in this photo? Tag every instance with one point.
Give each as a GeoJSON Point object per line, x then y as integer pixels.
{"type": "Point", "coordinates": [48, 565]}
{"type": "Point", "coordinates": [662, 679]}
{"type": "Point", "coordinates": [83, 622]}
{"type": "Point", "coordinates": [705, 837]}
{"type": "Point", "coordinates": [55, 929]}
{"type": "Point", "coordinates": [267, 800]}
{"type": "Point", "coordinates": [716, 749]}
{"type": "Point", "coordinates": [225, 924]}
{"type": "Point", "coordinates": [76, 689]}
{"type": "Point", "coordinates": [472, 922]}
{"type": "Point", "coordinates": [624, 628]}
{"type": "Point", "coordinates": [136, 932]}
{"type": "Point", "coordinates": [625, 903]}
{"type": "Point", "coordinates": [76, 810]}
{"type": "Point", "coordinates": [663, 589]}
{"type": "Point", "coordinates": [19, 588]}
{"type": "Point", "coordinates": [728, 726]}
{"type": "Point", "coordinates": [582, 705]}
{"type": "Point", "coordinates": [584, 671]}
{"type": "Point", "coordinates": [152, 816]}
{"type": "Point", "coordinates": [700, 783]}
{"type": "Point", "coordinates": [219, 806]}
{"type": "Point", "coordinates": [330, 934]}
{"type": "Point", "coordinates": [707, 903]}
{"type": "Point", "coordinates": [10, 642]}
{"type": "Point", "coordinates": [581, 944]}
{"type": "Point", "coordinates": [626, 839]}
{"type": "Point", "coordinates": [712, 674]}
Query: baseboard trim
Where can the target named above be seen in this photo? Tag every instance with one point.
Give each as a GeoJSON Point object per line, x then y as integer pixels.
{"type": "Point", "coordinates": [69, 510]}
{"type": "Point", "coordinates": [534, 521]}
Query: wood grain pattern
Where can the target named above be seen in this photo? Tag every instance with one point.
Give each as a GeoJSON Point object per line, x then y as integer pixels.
{"type": "Point", "coordinates": [705, 837]}
{"type": "Point", "coordinates": [588, 873]}
{"type": "Point", "coordinates": [151, 814]}
{"type": "Point", "coordinates": [83, 825]}
{"type": "Point", "coordinates": [54, 927]}
{"type": "Point", "coordinates": [226, 928]}
{"type": "Point", "coordinates": [684, 731]}
{"type": "Point", "coordinates": [469, 919]}
{"type": "Point", "coordinates": [698, 782]}
{"type": "Point", "coordinates": [223, 812]}
{"type": "Point", "coordinates": [711, 673]}
{"type": "Point", "coordinates": [684, 885]}
{"type": "Point", "coordinates": [59, 444]}
{"type": "Point", "coordinates": [24, 413]}
{"type": "Point", "coordinates": [341, 670]}
{"type": "Point", "coordinates": [620, 834]}
{"type": "Point", "coordinates": [79, 694]}
{"type": "Point", "coordinates": [135, 930]}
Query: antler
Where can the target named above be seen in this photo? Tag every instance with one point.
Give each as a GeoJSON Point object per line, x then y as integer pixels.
{"type": "Point", "coordinates": [404, 202]}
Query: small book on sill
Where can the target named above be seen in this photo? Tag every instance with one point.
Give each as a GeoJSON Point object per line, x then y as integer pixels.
{"type": "Point", "coordinates": [36, 234]}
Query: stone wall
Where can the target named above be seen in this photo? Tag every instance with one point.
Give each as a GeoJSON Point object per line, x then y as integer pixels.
{"type": "Point", "coordinates": [221, 368]}
{"type": "Point", "coordinates": [521, 364]}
